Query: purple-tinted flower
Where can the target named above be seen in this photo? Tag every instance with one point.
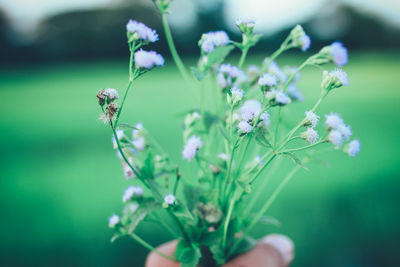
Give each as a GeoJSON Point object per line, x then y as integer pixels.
{"type": "Point", "coordinates": [148, 59]}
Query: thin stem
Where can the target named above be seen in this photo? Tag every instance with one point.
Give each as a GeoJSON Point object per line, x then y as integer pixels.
{"type": "Point", "coordinates": [226, 223]}
{"type": "Point", "coordinates": [172, 48]}
{"type": "Point", "coordinates": [261, 188]}
{"type": "Point", "coordinates": [302, 148]}
{"type": "Point", "coordinates": [264, 209]}
{"type": "Point", "coordinates": [243, 56]}
{"type": "Point", "coordinates": [150, 247]}
{"type": "Point", "coordinates": [123, 102]}
{"type": "Point", "coordinates": [262, 168]}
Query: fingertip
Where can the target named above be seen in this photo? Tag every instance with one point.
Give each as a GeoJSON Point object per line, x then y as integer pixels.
{"type": "Point", "coordinates": [155, 260]}
{"type": "Point", "coordinates": [283, 244]}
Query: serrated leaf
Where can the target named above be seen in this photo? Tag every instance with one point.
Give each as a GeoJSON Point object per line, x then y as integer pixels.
{"type": "Point", "coordinates": [190, 257]}
{"type": "Point", "coordinates": [146, 206]}
{"type": "Point", "coordinates": [295, 159]}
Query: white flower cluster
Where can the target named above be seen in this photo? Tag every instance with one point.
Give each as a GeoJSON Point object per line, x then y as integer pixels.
{"type": "Point", "coordinates": [311, 120]}
{"type": "Point", "coordinates": [338, 53]}
{"type": "Point", "coordinates": [113, 220]}
{"type": "Point", "coordinates": [245, 25]}
{"type": "Point", "coordinates": [191, 148]}
{"type": "Point", "coordinates": [340, 132]}
{"type": "Point", "coordinates": [138, 137]}
{"type": "Point", "coordinates": [277, 97]}
{"type": "Point", "coordinates": [237, 94]}
{"type": "Point", "coordinates": [209, 41]}
{"type": "Point", "coordinates": [142, 32]}
{"type": "Point", "coordinates": [147, 59]}
{"type": "Point", "coordinates": [300, 38]}
{"type": "Point", "coordinates": [267, 80]}
{"type": "Point", "coordinates": [249, 111]}
{"type": "Point", "coordinates": [228, 75]}
{"type": "Point", "coordinates": [130, 192]}
{"type": "Point", "coordinates": [334, 79]}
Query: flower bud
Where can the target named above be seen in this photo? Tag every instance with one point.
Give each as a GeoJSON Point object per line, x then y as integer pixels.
{"type": "Point", "coordinates": [334, 79]}
{"type": "Point", "coordinates": [245, 25]}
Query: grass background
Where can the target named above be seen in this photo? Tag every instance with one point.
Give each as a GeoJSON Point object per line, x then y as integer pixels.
{"type": "Point", "coordinates": [60, 179]}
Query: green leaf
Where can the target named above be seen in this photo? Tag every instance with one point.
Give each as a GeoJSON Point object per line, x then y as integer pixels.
{"type": "Point", "coordinates": [180, 249]}
{"type": "Point", "coordinates": [191, 195]}
{"type": "Point", "coordinates": [146, 206]}
{"type": "Point", "coordinates": [182, 211]}
{"type": "Point", "coordinates": [148, 166]}
{"type": "Point", "coordinates": [224, 133]}
{"type": "Point", "coordinates": [190, 257]}
{"type": "Point", "coordinates": [218, 253]}
{"type": "Point", "coordinates": [115, 237]}
{"type": "Point", "coordinates": [295, 159]}
{"type": "Point", "coordinates": [218, 55]}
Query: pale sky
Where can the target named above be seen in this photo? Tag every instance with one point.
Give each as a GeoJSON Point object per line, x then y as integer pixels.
{"type": "Point", "coordinates": [270, 15]}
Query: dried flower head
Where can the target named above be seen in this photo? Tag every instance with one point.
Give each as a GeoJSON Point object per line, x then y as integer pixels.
{"type": "Point", "coordinates": [310, 135]}
{"type": "Point", "coordinates": [311, 119]}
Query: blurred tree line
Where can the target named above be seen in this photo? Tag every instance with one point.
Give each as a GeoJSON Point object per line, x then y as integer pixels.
{"type": "Point", "coordinates": [100, 34]}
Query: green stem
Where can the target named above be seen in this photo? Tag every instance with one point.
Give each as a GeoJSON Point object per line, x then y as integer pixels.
{"type": "Point", "coordinates": [243, 56]}
{"type": "Point", "coordinates": [150, 247]}
{"type": "Point", "coordinates": [226, 223]}
{"type": "Point", "coordinates": [261, 188]}
{"type": "Point", "coordinates": [123, 102]}
{"type": "Point", "coordinates": [172, 48]}
{"type": "Point", "coordinates": [262, 168]}
{"type": "Point", "coordinates": [264, 209]}
{"type": "Point", "coordinates": [302, 148]}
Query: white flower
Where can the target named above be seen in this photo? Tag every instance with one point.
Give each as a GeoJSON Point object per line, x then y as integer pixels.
{"type": "Point", "coordinates": [294, 93]}
{"type": "Point", "coordinates": [138, 130]}
{"type": "Point", "coordinates": [228, 74]}
{"type": "Point", "coordinates": [310, 135]}
{"type": "Point", "coordinates": [245, 25]}
{"type": "Point", "coordinates": [335, 137]}
{"type": "Point", "coordinates": [345, 130]}
{"type": "Point", "coordinates": [130, 208]}
{"type": "Point", "coordinates": [147, 59]}
{"type": "Point", "coordinates": [192, 146]}
{"type": "Point", "coordinates": [113, 220]}
{"type": "Point", "coordinates": [253, 70]}
{"type": "Point", "coordinates": [258, 160]}
{"type": "Point", "coordinates": [244, 127]}
{"type": "Point", "coordinates": [169, 199]}
{"type": "Point", "coordinates": [265, 118]}
{"type": "Point", "coordinates": [311, 119]}
{"type": "Point", "coordinates": [274, 69]}
{"type": "Point", "coordinates": [130, 192]}
{"type": "Point", "coordinates": [353, 148]}
{"type": "Point", "coordinates": [281, 98]}
{"type": "Point", "coordinates": [267, 80]}
{"type": "Point", "coordinates": [250, 109]}
{"type": "Point", "coordinates": [334, 79]}
{"type": "Point", "coordinates": [333, 120]}
{"type": "Point", "coordinates": [223, 156]}
{"type": "Point", "coordinates": [209, 41]}
{"type": "Point", "coordinates": [139, 143]}
{"type": "Point", "coordinates": [237, 94]}
{"type": "Point", "coordinates": [111, 93]}
{"type": "Point", "coordinates": [300, 38]}
{"type": "Point", "coordinates": [120, 134]}
{"type": "Point", "coordinates": [143, 32]}
{"type": "Point", "coordinates": [338, 53]}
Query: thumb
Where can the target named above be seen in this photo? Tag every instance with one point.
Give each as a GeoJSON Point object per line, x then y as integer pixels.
{"type": "Point", "coordinates": [274, 250]}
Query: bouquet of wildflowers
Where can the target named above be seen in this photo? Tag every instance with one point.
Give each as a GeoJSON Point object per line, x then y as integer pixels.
{"type": "Point", "coordinates": [227, 145]}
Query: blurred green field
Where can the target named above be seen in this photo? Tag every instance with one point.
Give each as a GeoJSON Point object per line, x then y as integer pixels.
{"type": "Point", "coordinates": [60, 179]}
